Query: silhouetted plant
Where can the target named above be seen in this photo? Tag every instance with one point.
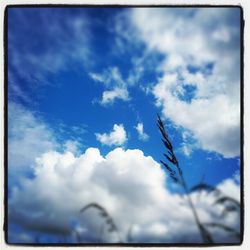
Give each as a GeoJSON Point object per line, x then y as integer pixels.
{"type": "Point", "coordinates": [224, 227]}
{"type": "Point", "coordinates": [205, 187]}
{"type": "Point", "coordinates": [227, 200]}
{"type": "Point", "coordinates": [176, 173]}
{"type": "Point", "coordinates": [172, 166]}
{"type": "Point", "coordinates": [229, 205]}
{"type": "Point", "coordinates": [109, 222]}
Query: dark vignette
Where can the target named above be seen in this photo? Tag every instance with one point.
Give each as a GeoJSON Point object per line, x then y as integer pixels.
{"type": "Point", "coordinates": [5, 226]}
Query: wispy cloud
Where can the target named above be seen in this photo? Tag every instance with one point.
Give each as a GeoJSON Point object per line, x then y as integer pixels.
{"type": "Point", "coordinates": [187, 145]}
{"type": "Point", "coordinates": [109, 96]}
{"type": "Point", "coordinates": [110, 77]}
{"type": "Point", "coordinates": [116, 87]}
{"type": "Point", "coordinates": [61, 41]}
{"type": "Point", "coordinates": [72, 146]}
{"type": "Point", "coordinates": [115, 84]}
{"type": "Point", "coordinates": [116, 137]}
{"type": "Point", "coordinates": [142, 135]}
{"type": "Point", "coordinates": [28, 137]}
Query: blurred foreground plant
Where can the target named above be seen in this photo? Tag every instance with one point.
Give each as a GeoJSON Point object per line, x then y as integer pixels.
{"type": "Point", "coordinates": [172, 166]}
{"type": "Point", "coordinates": [109, 223]}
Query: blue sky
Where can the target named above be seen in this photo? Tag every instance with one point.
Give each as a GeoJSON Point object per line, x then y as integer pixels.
{"type": "Point", "coordinates": [84, 89]}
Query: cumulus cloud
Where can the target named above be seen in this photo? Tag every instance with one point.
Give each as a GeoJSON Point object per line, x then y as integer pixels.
{"type": "Point", "coordinates": [116, 137]}
{"type": "Point", "coordinates": [201, 51]}
{"type": "Point", "coordinates": [64, 183]}
{"type": "Point", "coordinates": [128, 184]}
{"type": "Point", "coordinates": [142, 135]}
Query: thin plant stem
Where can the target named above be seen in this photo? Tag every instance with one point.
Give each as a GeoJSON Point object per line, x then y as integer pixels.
{"type": "Point", "coordinates": [108, 219]}
{"type": "Point", "coordinates": [179, 178]}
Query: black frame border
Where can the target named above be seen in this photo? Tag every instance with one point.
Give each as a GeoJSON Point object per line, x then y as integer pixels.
{"type": "Point", "coordinates": [242, 194]}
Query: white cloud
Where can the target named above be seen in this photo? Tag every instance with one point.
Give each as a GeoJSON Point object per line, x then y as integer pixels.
{"type": "Point", "coordinates": [131, 187]}
{"type": "Point", "coordinates": [84, 179]}
{"type": "Point", "coordinates": [72, 146]}
{"type": "Point", "coordinates": [109, 96]}
{"type": "Point", "coordinates": [97, 77]}
{"type": "Point", "coordinates": [142, 135]}
{"type": "Point", "coordinates": [237, 176]}
{"type": "Point", "coordinates": [116, 86]}
{"type": "Point", "coordinates": [116, 137]}
{"type": "Point", "coordinates": [186, 149]}
{"type": "Point", "coordinates": [28, 137]}
{"type": "Point", "coordinates": [110, 77]}
{"type": "Point", "coordinates": [208, 41]}
{"type": "Point", "coordinates": [187, 146]}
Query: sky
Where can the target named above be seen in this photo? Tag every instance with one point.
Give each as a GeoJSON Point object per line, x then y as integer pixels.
{"type": "Point", "coordinates": [85, 86]}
